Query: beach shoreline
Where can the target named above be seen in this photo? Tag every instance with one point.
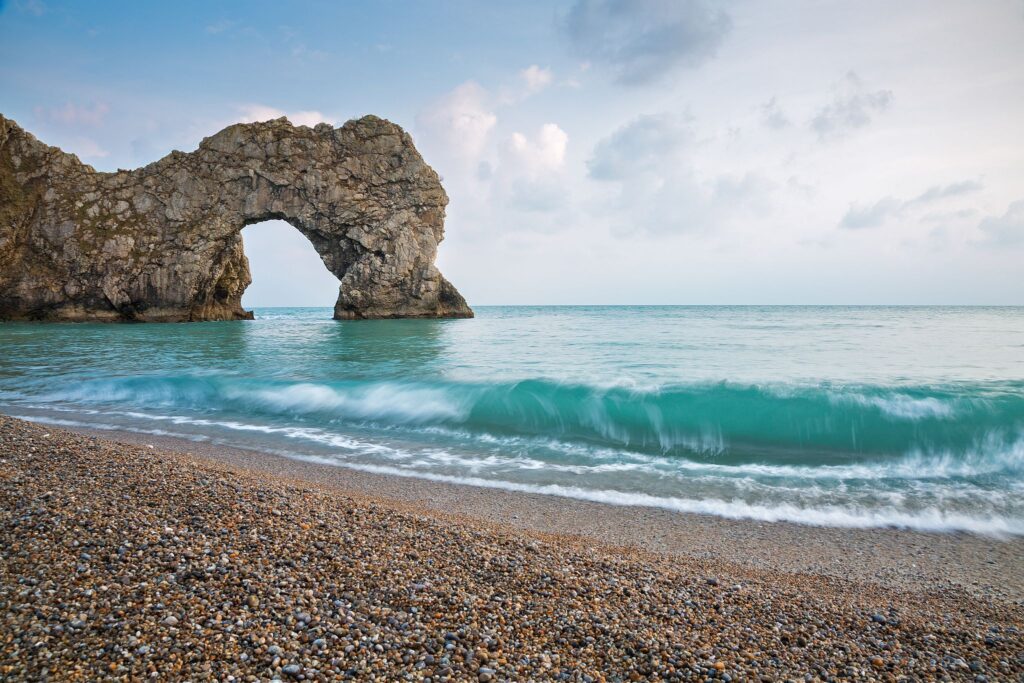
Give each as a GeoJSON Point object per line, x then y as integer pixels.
{"type": "Point", "coordinates": [889, 557]}
{"type": "Point", "coordinates": [136, 560]}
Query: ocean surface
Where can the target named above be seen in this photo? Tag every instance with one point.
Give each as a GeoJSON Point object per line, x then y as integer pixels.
{"type": "Point", "coordinates": [841, 416]}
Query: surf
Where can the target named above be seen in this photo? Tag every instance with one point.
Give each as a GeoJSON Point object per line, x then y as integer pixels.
{"type": "Point", "coordinates": [713, 422]}
{"type": "Point", "coordinates": [856, 417]}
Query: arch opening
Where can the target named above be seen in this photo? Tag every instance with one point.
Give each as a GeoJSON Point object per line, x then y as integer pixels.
{"type": "Point", "coordinates": [286, 269]}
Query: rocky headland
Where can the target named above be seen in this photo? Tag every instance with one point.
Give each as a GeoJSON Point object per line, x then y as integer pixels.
{"type": "Point", "coordinates": [163, 242]}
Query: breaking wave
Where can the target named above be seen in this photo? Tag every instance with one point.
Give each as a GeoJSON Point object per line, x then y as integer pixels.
{"type": "Point", "coordinates": [952, 427]}
{"type": "Point", "coordinates": [936, 458]}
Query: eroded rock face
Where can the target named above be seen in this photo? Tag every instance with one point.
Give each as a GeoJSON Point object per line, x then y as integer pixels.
{"type": "Point", "coordinates": [163, 242]}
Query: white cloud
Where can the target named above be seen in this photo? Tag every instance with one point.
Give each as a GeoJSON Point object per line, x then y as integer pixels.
{"type": "Point", "coordinates": [545, 152]}
{"type": "Point", "coordinates": [772, 116]}
{"type": "Point", "coordinates": [528, 82]}
{"type": "Point", "coordinates": [517, 185]}
{"type": "Point", "coordinates": [1005, 230]}
{"type": "Point", "coordinates": [852, 107]}
{"type": "Point", "coordinates": [750, 190]}
{"type": "Point", "coordinates": [873, 215]}
{"type": "Point", "coordinates": [458, 124]}
{"type": "Point", "coordinates": [261, 112]}
{"type": "Point", "coordinates": [643, 40]}
{"type": "Point", "coordinates": [939, 192]}
{"type": "Point", "coordinates": [870, 215]}
{"type": "Point", "coordinates": [645, 144]}
{"type": "Point", "coordinates": [650, 162]}
{"type": "Point", "coordinates": [536, 78]}
{"type": "Point", "coordinates": [530, 171]}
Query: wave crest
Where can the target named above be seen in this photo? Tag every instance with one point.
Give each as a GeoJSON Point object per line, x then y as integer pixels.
{"type": "Point", "coordinates": [712, 423]}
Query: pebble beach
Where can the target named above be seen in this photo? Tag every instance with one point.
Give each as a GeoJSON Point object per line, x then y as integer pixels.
{"type": "Point", "coordinates": [128, 561]}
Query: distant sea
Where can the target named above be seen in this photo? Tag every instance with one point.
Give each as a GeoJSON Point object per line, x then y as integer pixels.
{"type": "Point", "coordinates": [841, 416]}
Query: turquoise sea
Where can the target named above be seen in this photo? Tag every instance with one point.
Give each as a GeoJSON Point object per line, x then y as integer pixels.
{"type": "Point", "coordinates": [844, 416]}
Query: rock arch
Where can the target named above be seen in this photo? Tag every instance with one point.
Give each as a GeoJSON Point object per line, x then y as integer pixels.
{"type": "Point", "coordinates": [163, 242]}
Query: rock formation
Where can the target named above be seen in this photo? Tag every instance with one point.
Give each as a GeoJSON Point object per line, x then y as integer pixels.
{"type": "Point", "coordinates": [163, 242]}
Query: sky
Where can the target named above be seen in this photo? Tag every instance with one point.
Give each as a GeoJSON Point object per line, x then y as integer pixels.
{"type": "Point", "coordinates": [594, 151]}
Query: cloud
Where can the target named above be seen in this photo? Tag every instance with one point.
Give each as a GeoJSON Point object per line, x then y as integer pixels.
{"type": "Point", "coordinates": [860, 216]}
{"type": "Point", "coordinates": [937, 192]}
{"type": "Point", "coordinates": [545, 152]}
{"type": "Point", "coordinates": [946, 216]}
{"type": "Point", "coordinates": [772, 116]}
{"type": "Point", "coordinates": [261, 112]}
{"type": "Point", "coordinates": [643, 145]}
{"type": "Point", "coordinates": [536, 78]}
{"type": "Point", "coordinates": [535, 196]}
{"type": "Point", "coordinates": [643, 40]}
{"type": "Point", "coordinates": [1005, 230]}
{"type": "Point", "coordinates": [458, 124]}
{"type": "Point", "coordinates": [75, 115]}
{"type": "Point", "coordinates": [649, 162]}
{"type": "Point", "coordinates": [750, 190]}
{"type": "Point", "coordinates": [509, 183]}
{"type": "Point", "coordinates": [852, 107]}
{"type": "Point", "coordinates": [529, 174]}
{"type": "Point", "coordinates": [807, 190]}
{"type": "Point", "coordinates": [873, 215]}
{"type": "Point", "coordinates": [529, 81]}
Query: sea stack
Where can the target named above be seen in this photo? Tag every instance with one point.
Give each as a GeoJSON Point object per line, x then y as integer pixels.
{"type": "Point", "coordinates": [163, 242]}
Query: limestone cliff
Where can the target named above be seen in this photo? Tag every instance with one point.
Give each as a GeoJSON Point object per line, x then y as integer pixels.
{"type": "Point", "coordinates": [163, 242]}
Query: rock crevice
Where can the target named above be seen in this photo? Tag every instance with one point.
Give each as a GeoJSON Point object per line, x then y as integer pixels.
{"type": "Point", "coordinates": [163, 242]}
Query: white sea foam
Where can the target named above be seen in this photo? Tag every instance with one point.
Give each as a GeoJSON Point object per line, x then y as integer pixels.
{"type": "Point", "coordinates": [902, 406]}
{"type": "Point", "coordinates": [993, 455]}
{"type": "Point", "coordinates": [407, 402]}
{"type": "Point", "coordinates": [107, 427]}
{"type": "Point", "coordinates": [930, 519]}
{"type": "Point", "coordinates": [922, 500]}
